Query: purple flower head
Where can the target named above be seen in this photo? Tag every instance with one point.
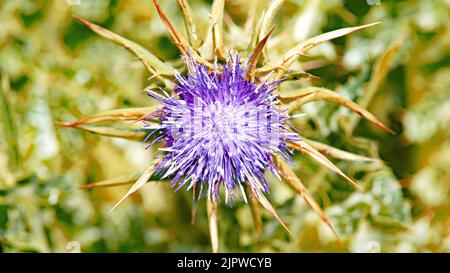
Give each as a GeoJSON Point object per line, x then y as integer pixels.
{"type": "Point", "coordinates": [220, 128]}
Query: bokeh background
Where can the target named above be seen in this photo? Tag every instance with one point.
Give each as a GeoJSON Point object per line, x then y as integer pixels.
{"type": "Point", "coordinates": [53, 69]}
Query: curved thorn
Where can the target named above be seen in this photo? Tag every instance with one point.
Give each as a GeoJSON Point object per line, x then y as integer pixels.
{"type": "Point", "coordinates": [113, 132]}
{"type": "Point", "coordinates": [118, 114]}
{"type": "Point", "coordinates": [191, 28]}
{"type": "Point", "coordinates": [153, 63]}
{"type": "Point", "coordinates": [255, 213]}
{"type": "Point", "coordinates": [266, 204]}
{"type": "Point", "coordinates": [117, 181]}
{"type": "Point", "coordinates": [306, 148]}
{"type": "Point", "coordinates": [178, 39]}
{"type": "Point", "coordinates": [304, 46]}
{"type": "Point", "coordinates": [139, 183]}
{"type": "Point", "coordinates": [294, 182]}
{"type": "Point", "coordinates": [306, 95]}
{"type": "Point", "coordinates": [268, 16]}
{"type": "Point", "coordinates": [212, 221]}
{"type": "Point", "coordinates": [335, 152]}
{"type": "Point", "coordinates": [256, 53]}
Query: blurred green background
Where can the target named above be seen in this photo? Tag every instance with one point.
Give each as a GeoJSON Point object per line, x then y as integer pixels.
{"type": "Point", "coordinates": [53, 68]}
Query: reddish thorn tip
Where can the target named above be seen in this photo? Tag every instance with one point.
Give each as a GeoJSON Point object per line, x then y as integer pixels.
{"type": "Point", "coordinates": [73, 124]}
{"type": "Point", "coordinates": [88, 186]}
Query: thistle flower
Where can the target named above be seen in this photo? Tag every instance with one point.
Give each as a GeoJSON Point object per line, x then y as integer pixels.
{"type": "Point", "coordinates": [221, 129]}
{"type": "Point", "coordinates": [225, 124]}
